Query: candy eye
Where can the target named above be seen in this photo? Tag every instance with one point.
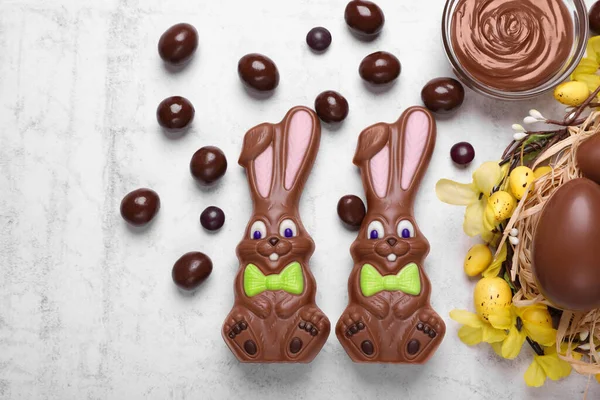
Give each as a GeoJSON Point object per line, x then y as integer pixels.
{"type": "Point", "coordinates": [288, 229]}
{"type": "Point", "coordinates": [375, 230]}
{"type": "Point", "coordinates": [406, 229]}
{"type": "Point", "coordinates": [258, 230]}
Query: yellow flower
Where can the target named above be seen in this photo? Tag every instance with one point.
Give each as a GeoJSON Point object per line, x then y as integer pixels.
{"type": "Point", "coordinates": [475, 330]}
{"type": "Point", "coordinates": [534, 322]}
{"type": "Point", "coordinates": [494, 268]}
{"type": "Point", "coordinates": [550, 366]}
{"type": "Point", "coordinates": [474, 195]}
{"type": "Point", "coordinates": [589, 65]}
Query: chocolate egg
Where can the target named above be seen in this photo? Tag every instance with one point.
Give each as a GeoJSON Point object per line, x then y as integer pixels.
{"type": "Point", "coordinates": [379, 68]}
{"type": "Point", "coordinates": [566, 255]}
{"type": "Point", "coordinates": [258, 72]}
{"type": "Point", "coordinates": [178, 44]}
{"type": "Point", "coordinates": [588, 158]}
{"type": "Point", "coordinates": [364, 18]}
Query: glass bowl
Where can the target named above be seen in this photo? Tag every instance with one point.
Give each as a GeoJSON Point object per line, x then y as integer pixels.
{"type": "Point", "coordinates": [577, 10]}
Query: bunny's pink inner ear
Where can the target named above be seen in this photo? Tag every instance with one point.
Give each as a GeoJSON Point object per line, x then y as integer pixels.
{"type": "Point", "coordinates": [298, 139]}
{"type": "Point", "coordinates": [379, 167]}
{"type": "Point", "coordinates": [263, 171]}
{"type": "Point", "coordinates": [416, 135]}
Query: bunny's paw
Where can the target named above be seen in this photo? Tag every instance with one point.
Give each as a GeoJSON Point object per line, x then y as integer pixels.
{"type": "Point", "coordinates": [356, 331]}
{"type": "Point", "coordinates": [312, 327]}
{"type": "Point", "coordinates": [238, 331]}
{"type": "Point", "coordinates": [425, 336]}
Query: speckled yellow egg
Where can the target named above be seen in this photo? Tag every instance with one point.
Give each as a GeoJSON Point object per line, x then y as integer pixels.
{"type": "Point", "coordinates": [520, 178]}
{"type": "Point", "coordinates": [572, 93]}
{"type": "Point", "coordinates": [491, 295]}
{"type": "Point", "coordinates": [541, 171]}
{"type": "Point", "coordinates": [500, 207]}
{"type": "Point", "coordinates": [478, 258]}
{"type": "Point", "coordinates": [538, 316]}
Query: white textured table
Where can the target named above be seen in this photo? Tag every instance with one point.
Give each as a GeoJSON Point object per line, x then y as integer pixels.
{"type": "Point", "coordinates": [87, 306]}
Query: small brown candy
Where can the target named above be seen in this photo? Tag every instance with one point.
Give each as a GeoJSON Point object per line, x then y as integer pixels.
{"type": "Point", "coordinates": [380, 68]}
{"type": "Point", "coordinates": [594, 16]}
{"type": "Point", "coordinates": [318, 39]}
{"type": "Point", "coordinates": [351, 211]}
{"type": "Point", "coordinates": [208, 165]}
{"type": "Point", "coordinates": [443, 95]}
{"type": "Point", "coordinates": [212, 218]}
{"type": "Point", "coordinates": [258, 72]}
{"type": "Point", "coordinates": [191, 270]}
{"type": "Point", "coordinates": [140, 206]}
{"type": "Point", "coordinates": [175, 113]}
{"type": "Point", "coordinates": [364, 18]}
{"type": "Point", "coordinates": [178, 44]}
{"type": "Point", "coordinates": [331, 106]}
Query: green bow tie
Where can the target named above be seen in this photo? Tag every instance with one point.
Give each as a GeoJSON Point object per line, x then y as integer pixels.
{"type": "Point", "coordinates": [407, 280]}
{"type": "Point", "coordinates": [290, 280]}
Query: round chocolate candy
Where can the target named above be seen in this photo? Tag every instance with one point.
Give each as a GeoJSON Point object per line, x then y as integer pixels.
{"type": "Point", "coordinates": [594, 16]}
{"type": "Point", "coordinates": [191, 270]}
{"type": "Point", "coordinates": [318, 38]}
{"type": "Point", "coordinates": [443, 95]}
{"type": "Point", "coordinates": [208, 165]}
{"type": "Point", "coordinates": [379, 68]}
{"type": "Point", "coordinates": [178, 44]}
{"type": "Point", "coordinates": [351, 211]}
{"type": "Point", "coordinates": [364, 18]}
{"type": "Point", "coordinates": [258, 72]}
{"type": "Point", "coordinates": [175, 113]}
{"type": "Point", "coordinates": [462, 153]}
{"type": "Point", "coordinates": [331, 106]}
{"type": "Point", "coordinates": [140, 206]}
{"type": "Point", "coordinates": [212, 218]}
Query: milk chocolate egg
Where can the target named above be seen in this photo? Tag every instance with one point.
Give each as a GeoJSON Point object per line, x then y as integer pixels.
{"type": "Point", "coordinates": [588, 158]}
{"type": "Point", "coordinates": [566, 255]}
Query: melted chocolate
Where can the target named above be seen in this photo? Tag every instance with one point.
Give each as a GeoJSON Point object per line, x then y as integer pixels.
{"type": "Point", "coordinates": [512, 45]}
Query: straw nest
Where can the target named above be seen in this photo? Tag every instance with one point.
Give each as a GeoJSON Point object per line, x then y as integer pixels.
{"type": "Point", "coordinates": [581, 330]}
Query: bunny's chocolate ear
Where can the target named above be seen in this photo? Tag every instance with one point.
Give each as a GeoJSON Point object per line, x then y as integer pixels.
{"type": "Point", "coordinates": [302, 138]}
{"type": "Point", "coordinates": [257, 158]}
{"type": "Point", "coordinates": [373, 148]}
{"type": "Point", "coordinates": [417, 140]}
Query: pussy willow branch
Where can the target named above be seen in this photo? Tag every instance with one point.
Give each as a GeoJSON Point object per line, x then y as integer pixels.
{"type": "Point", "coordinates": [550, 137]}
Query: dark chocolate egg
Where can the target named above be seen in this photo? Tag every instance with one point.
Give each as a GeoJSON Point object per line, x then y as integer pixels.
{"type": "Point", "coordinates": [588, 158]}
{"type": "Point", "coordinates": [380, 68]}
{"type": "Point", "coordinates": [566, 255]}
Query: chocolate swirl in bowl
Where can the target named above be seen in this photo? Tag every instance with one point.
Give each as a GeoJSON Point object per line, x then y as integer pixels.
{"type": "Point", "coordinates": [512, 45]}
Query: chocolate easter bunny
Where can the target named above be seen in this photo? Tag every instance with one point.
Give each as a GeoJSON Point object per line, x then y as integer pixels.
{"type": "Point", "coordinates": [389, 318]}
{"type": "Point", "coordinates": [275, 318]}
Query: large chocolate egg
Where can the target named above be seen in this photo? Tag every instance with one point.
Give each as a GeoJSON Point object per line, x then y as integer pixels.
{"type": "Point", "coordinates": [588, 158]}
{"type": "Point", "coordinates": [566, 248]}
